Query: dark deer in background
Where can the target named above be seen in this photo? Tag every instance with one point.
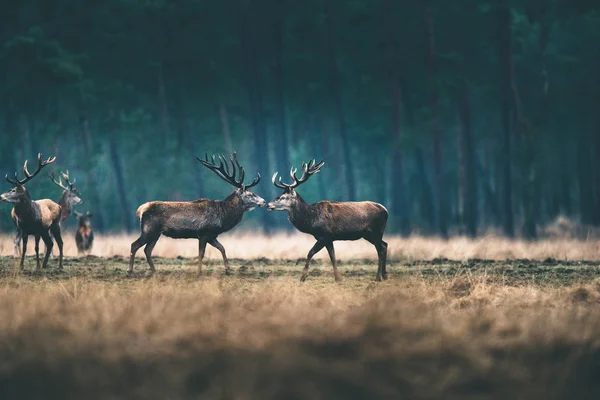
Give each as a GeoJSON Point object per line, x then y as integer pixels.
{"type": "Point", "coordinates": [68, 199]}
{"type": "Point", "coordinates": [37, 218]}
{"type": "Point", "coordinates": [84, 236]}
{"type": "Point", "coordinates": [202, 219]}
{"type": "Point", "coordinates": [329, 221]}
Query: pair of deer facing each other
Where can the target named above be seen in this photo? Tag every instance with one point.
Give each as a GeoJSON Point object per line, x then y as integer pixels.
{"type": "Point", "coordinates": [42, 218]}
{"type": "Point", "coordinates": [205, 219]}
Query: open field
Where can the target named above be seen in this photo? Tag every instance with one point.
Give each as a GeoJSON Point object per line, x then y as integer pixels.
{"type": "Point", "coordinates": [468, 329]}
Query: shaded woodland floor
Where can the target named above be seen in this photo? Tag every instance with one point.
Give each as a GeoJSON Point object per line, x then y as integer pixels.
{"type": "Point", "coordinates": [471, 329]}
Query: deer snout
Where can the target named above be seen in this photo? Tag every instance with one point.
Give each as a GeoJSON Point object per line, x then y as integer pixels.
{"type": "Point", "coordinates": [270, 207]}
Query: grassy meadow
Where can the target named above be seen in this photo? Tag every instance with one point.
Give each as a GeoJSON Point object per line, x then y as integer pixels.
{"type": "Point", "coordinates": [458, 319]}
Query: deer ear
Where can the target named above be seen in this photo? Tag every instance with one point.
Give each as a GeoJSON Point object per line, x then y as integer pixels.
{"type": "Point", "coordinates": [90, 214]}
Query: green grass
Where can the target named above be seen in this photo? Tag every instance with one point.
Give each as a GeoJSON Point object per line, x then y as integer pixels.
{"type": "Point", "coordinates": [509, 272]}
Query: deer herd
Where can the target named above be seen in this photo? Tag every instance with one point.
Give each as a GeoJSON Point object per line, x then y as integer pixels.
{"type": "Point", "coordinates": [202, 219]}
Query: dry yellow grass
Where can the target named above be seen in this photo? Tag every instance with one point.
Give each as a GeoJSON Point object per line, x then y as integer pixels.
{"type": "Point", "coordinates": [296, 245]}
{"type": "Point", "coordinates": [462, 337]}
{"type": "Point", "coordinates": [449, 330]}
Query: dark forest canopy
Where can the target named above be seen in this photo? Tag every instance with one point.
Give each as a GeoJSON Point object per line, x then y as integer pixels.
{"type": "Point", "coordinates": [457, 115]}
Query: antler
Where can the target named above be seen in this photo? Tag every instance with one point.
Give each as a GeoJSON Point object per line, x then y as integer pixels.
{"type": "Point", "coordinates": [308, 169]}
{"type": "Point", "coordinates": [28, 175]}
{"type": "Point", "coordinates": [223, 170]}
{"type": "Point", "coordinates": [66, 176]}
{"type": "Point", "coordinates": [60, 184]}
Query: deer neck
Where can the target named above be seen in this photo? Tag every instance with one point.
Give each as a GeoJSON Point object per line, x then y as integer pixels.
{"type": "Point", "coordinates": [232, 210]}
{"type": "Point", "coordinates": [25, 208]}
{"type": "Point", "coordinates": [66, 206]}
{"type": "Point", "coordinates": [300, 215]}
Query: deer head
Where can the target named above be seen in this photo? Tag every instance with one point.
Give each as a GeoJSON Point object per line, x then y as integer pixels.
{"type": "Point", "coordinates": [289, 197]}
{"type": "Point", "coordinates": [84, 219]}
{"type": "Point", "coordinates": [71, 194]}
{"type": "Point", "coordinates": [19, 193]}
{"type": "Point", "coordinates": [249, 200]}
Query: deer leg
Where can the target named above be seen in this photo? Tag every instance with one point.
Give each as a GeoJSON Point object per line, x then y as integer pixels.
{"type": "Point", "coordinates": [55, 230]}
{"type": "Point", "coordinates": [201, 250]}
{"type": "Point", "coordinates": [37, 252]}
{"type": "Point", "coordinates": [148, 251]}
{"type": "Point", "coordinates": [18, 241]}
{"type": "Point", "coordinates": [48, 242]}
{"type": "Point", "coordinates": [381, 248]}
{"type": "Point", "coordinates": [25, 239]}
{"type": "Point", "coordinates": [382, 253]}
{"type": "Point", "coordinates": [135, 246]}
{"type": "Point", "coordinates": [315, 249]}
{"type": "Point", "coordinates": [216, 244]}
{"type": "Point", "coordinates": [331, 252]}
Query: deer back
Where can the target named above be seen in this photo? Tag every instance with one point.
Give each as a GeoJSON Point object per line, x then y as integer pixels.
{"type": "Point", "coordinates": [184, 219]}
{"type": "Point", "coordinates": [50, 212]}
{"type": "Point", "coordinates": [347, 219]}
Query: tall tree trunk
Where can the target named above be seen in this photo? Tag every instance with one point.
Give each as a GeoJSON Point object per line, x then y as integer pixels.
{"type": "Point", "coordinates": [506, 79]}
{"type": "Point", "coordinates": [224, 116]}
{"type": "Point", "coordinates": [424, 198]}
{"type": "Point", "coordinates": [90, 178]}
{"type": "Point", "coordinates": [164, 112]}
{"type": "Point", "coordinates": [468, 185]}
{"type": "Point", "coordinates": [530, 190]}
{"type": "Point", "coordinates": [336, 91]}
{"type": "Point", "coordinates": [319, 147]}
{"type": "Point", "coordinates": [282, 159]}
{"type": "Point", "coordinates": [26, 137]}
{"type": "Point", "coordinates": [584, 169]}
{"type": "Point", "coordinates": [492, 209]}
{"type": "Point", "coordinates": [597, 170]}
{"type": "Point", "coordinates": [120, 179]}
{"type": "Point", "coordinates": [399, 203]}
{"type": "Point", "coordinates": [195, 142]}
{"type": "Point", "coordinates": [425, 203]}
{"type": "Point", "coordinates": [437, 140]}
{"type": "Point", "coordinates": [249, 43]}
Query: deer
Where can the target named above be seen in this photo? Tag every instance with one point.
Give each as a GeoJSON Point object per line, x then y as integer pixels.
{"type": "Point", "coordinates": [84, 236]}
{"type": "Point", "coordinates": [329, 221]}
{"type": "Point", "coordinates": [201, 219]}
{"type": "Point", "coordinates": [38, 218]}
{"type": "Point", "coordinates": [68, 199]}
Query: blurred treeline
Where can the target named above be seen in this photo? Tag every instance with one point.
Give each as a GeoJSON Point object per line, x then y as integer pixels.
{"type": "Point", "coordinates": [457, 115]}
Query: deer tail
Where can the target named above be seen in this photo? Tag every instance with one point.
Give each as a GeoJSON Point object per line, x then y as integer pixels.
{"type": "Point", "coordinates": [141, 210]}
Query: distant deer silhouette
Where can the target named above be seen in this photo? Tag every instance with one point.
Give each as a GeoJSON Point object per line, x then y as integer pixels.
{"type": "Point", "coordinates": [329, 221]}
{"type": "Point", "coordinates": [84, 237]}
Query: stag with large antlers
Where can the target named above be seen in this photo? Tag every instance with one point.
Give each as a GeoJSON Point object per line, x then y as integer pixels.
{"type": "Point", "coordinates": [202, 219]}
{"type": "Point", "coordinates": [329, 221]}
{"type": "Point", "coordinates": [38, 218]}
{"type": "Point", "coordinates": [68, 199]}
